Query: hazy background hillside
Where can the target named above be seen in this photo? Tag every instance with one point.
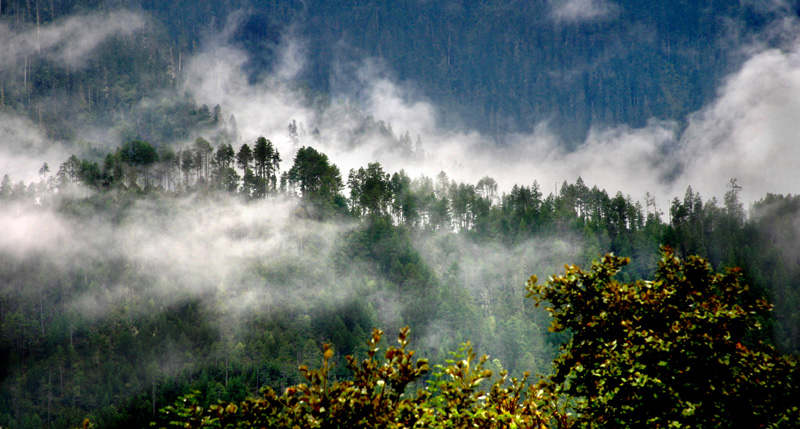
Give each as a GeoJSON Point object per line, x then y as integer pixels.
{"type": "Point", "coordinates": [495, 66]}
{"type": "Point", "coordinates": [571, 84]}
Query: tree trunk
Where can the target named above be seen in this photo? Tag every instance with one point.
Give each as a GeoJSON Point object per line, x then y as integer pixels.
{"type": "Point", "coordinates": [41, 309]}
{"type": "Point", "coordinates": [38, 31]}
{"type": "Point", "coordinates": [49, 393]}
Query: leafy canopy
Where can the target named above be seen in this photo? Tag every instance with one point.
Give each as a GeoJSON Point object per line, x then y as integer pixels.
{"type": "Point", "coordinates": [376, 397]}
{"type": "Point", "coordinates": [677, 351]}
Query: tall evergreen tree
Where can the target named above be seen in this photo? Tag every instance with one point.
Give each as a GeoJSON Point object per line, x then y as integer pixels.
{"type": "Point", "coordinates": [318, 181]}
{"type": "Point", "coordinates": [244, 157]}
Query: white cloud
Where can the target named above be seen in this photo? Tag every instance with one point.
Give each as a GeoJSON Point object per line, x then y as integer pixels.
{"type": "Point", "coordinates": [23, 149]}
{"type": "Point", "coordinates": [26, 231]}
{"type": "Point", "coordinates": [69, 41]}
{"type": "Point", "coordinates": [576, 11]}
{"type": "Point", "coordinates": [613, 158]}
{"type": "Point", "coordinates": [751, 131]}
{"type": "Point", "coordinates": [747, 132]}
{"type": "Point", "coordinates": [780, 6]}
{"type": "Point", "coordinates": [216, 76]}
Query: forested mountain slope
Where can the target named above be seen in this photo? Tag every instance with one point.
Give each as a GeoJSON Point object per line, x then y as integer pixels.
{"type": "Point", "coordinates": [499, 66]}
{"type": "Point", "coordinates": [131, 282]}
{"type": "Point", "coordinates": [199, 195]}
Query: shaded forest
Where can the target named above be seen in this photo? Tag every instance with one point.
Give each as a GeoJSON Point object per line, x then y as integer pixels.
{"type": "Point", "coordinates": [172, 254]}
{"type": "Point", "coordinates": [113, 336]}
{"type": "Point", "coordinates": [500, 67]}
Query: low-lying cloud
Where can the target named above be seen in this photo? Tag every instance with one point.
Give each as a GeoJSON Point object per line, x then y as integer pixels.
{"type": "Point", "coordinates": [250, 257]}
{"type": "Point", "coordinates": [578, 11]}
{"type": "Point", "coordinates": [183, 246]}
{"type": "Point", "coordinates": [27, 232]}
{"type": "Point", "coordinates": [68, 41]}
{"type": "Point", "coordinates": [750, 131]}
{"type": "Point", "coordinates": [748, 127]}
{"type": "Point", "coordinates": [24, 148]}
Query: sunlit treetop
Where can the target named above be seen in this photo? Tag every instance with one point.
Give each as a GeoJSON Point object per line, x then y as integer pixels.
{"type": "Point", "coordinates": [677, 351]}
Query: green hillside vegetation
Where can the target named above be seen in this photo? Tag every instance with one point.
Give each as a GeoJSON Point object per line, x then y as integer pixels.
{"type": "Point", "coordinates": [448, 259]}
{"type": "Point", "coordinates": [170, 272]}
{"type": "Point", "coordinates": [677, 351]}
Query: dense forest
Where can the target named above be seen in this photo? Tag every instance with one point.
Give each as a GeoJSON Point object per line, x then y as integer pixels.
{"type": "Point", "coordinates": [169, 257]}
{"type": "Point", "coordinates": [117, 327]}
{"type": "Point", "coordinates": [498, 66]}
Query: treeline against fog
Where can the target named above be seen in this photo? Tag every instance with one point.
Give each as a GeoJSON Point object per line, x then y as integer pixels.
{"type": "Point", "coordinates": [449, 259]}
{"type": "Point", "coordinates": [131, 276]}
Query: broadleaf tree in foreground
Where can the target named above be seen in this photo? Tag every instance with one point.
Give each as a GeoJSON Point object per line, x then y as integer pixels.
{"type": "Point", "coordinates": [376, 397]}
{"type": "Point", "coordinates": [676, 351]}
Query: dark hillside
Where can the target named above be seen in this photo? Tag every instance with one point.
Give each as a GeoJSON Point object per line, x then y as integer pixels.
{"type": "Point", "coordinates": [500, 66]}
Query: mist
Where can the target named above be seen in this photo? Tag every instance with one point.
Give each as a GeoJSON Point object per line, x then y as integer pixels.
{"type": "Point", "coordinates": [175, 246]}
{"type": "Point", "coordinates": [69, 41]}
{"type": "Point", "coordinates": [24, 149]}
{"type": "Point", "coordinates": [748, 125]}
{"type": "Point", "coordinates": [578, 11]}
{"type": "Point", "coordinates": [242, 259]}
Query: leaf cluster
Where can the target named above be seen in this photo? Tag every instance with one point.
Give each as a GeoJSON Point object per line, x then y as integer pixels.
{"type": "Point", "coordinates": [671, 352]}
{"type": "Point", "coordinates": [375, 397]}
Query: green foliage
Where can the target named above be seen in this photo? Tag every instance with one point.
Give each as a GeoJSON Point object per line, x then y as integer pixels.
{"type": "Point", "coordinates": [676, 351]}
{"type": "Point", "coordinates": [138, 153]}
{"type": "Point", "coordinates": [457, 401]}
{"type": "Point", "coordinates": [267, 162]}
{"type": "Point", "coordinates": [58, 364]}
{"type": "Point", "coordinates": [375, 397]}
{"type": "Point", "coordinates": [318, 182]}
{"type": "Point", "coordinates": [671, 352]}
{"type": "Point", "coordinates": [447, 258]}
{"type": "Point", "coordinates": [370, 191]}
